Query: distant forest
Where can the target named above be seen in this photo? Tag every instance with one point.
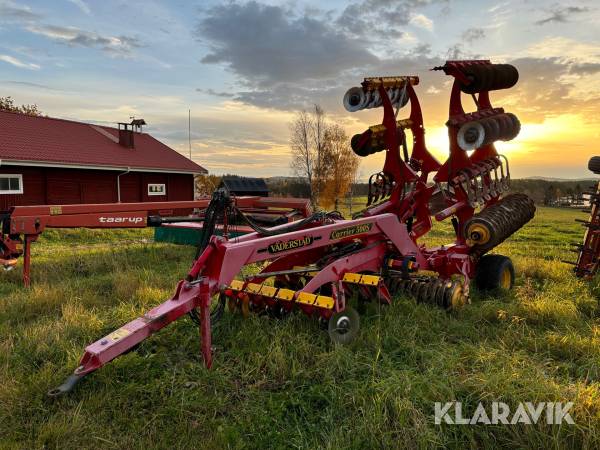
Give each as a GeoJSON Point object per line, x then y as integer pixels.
{"type": "Point", "coordinates": [543, 192]}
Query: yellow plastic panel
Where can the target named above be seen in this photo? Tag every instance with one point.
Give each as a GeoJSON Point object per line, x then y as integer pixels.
{"type": "Point", "coordinates": [285, 294]}
{"type": "Point", "coordinates": [352, 277]}
{"type": "Point", "coordinates": [324, 301]}
{"type": "Point", "coordinates": [237, 285]}
{"type": "Point", "coordinates": [370, 280]}
{"type": "Point", "coordinates": [253, 288]}
{"type": "Point", "coordinates": [268, 291]}
{"type": "Point", "coordinates": [306, 298]}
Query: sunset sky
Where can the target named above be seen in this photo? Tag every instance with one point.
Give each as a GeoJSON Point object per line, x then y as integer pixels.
{"type": "Point", "coordinates": [245, 68]}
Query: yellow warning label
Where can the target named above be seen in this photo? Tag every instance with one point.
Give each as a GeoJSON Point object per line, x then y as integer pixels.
{"type": "Point", "coordinates": [55, 210]}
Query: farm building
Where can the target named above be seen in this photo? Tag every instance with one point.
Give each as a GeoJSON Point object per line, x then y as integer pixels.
{"type": "Point", "coordinates": [245, 185]}
{"type": "Point", "coordinates": [54, 161]}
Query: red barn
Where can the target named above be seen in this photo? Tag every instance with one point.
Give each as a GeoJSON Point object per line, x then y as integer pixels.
{"type": "Point", "coordinates": [53, 161]}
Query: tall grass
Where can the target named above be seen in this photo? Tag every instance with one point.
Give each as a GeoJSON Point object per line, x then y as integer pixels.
{"type": "Point", "coordinates": [282, 383]}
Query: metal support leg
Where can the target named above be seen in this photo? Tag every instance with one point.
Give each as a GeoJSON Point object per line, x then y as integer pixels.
{"type": "Point", "coordinates": [206, 343]}
{"type": "Point", "coordinates": [27, 260]}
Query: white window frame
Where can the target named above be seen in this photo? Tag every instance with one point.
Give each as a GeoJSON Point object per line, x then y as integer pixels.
{"type": "Point", "coordinates": [162, 189]}
{"type": "Point", "coordinates": [12, 175]}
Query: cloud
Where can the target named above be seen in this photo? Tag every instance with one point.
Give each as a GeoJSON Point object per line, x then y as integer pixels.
{"type": "Point", "coordinates": [381, 20]}
{"type": "Point", "coordinates": [585, 68]}
{"type": "Point", "coordinates": [422, 21]}
{"type": "Point", "coordinates": [10, 10]}
{"type": "Point", "coordinates": [569, 50]}
{"type": "Point", "coordinates": [455, 52]}
{"type": "Point", "coordinates": [30, 85]}
{"type": "Point", "coordinates": [82, 5]}
{"type": "Point", "coordinates": [215, 93]}
{"type": "Point", "coordinates": [545, 90]}
{"type": "Point", "coordinates": [18, 63]}
{"type": "Point", "coordinates": [287, 60]}
{"type": "Point", "coordinates": [561, 14]}
{"type": "Point", "coordinates": [264, 44]}
{"type": "Point", "coordinates": [473, 34]}
{"type": "Point", "coordinates": [422, 49]}
{"type": "Point", "coordinates": [113, 45]}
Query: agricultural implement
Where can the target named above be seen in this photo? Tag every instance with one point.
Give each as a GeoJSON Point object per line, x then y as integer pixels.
{"type": "Point", "coordinates": [586, 265]}
{"type": "Point", "coordinates": [321, 264]}
{"type": "Point", "coordinates": [22, 225]}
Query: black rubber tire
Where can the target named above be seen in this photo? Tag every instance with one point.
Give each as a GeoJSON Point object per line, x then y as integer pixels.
{"type": "Point", "coordinates": [594, 164]}
{"type": "Point", "coordinates": [490, 272]}
{"type": "Point", "coordinates": [348, 333]}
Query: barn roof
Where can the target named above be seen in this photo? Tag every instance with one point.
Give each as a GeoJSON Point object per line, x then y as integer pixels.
{"type": "Point", "coordinates": [45, 141]}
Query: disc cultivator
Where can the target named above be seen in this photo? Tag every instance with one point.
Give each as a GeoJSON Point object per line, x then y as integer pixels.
{"type": "Point", "coordinates": [321, 264]}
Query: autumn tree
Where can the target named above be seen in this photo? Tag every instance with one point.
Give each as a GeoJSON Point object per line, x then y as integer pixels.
{"type": "Point", "coordinates": [320, 149]}
{"type": "Point", "coordinates": [303, 152]}
{"type": "Point", "coordinates": [341, 165]}
{"type": "Point", "coordinates": [319, 141]}
{"type": "Point", "coordinates": [205, 185]}
{"type": "Point", "coordinates": [8, 104]}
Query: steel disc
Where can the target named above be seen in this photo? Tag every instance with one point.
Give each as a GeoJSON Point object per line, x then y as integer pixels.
{"type": "Point", "coordinates": [366, 100]}
{"type": "Point", "coordinates": [402, 98]}
{"type": "Point", "coordinates": [470, 136]}
{"type": "Point", "coordinates": [354, 99]}
{"type": "Point", "coordinates": [343, 326]}
{"type": "Point", "coordinates": [375, 100]}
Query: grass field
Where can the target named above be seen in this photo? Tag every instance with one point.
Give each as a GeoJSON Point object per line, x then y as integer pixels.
{"type": "Point", "coordinates": [279, 384]}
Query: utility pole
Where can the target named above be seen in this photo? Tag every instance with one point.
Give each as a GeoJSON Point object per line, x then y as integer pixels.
{"type": "Point", "coordinates": [190, 131]}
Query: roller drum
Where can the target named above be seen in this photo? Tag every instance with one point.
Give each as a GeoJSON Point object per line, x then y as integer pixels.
{"type": "Point", "coordinates": [366, 149]}
{"type": "Point", "coordinates": [489, 77]}
{"type": "Point", "coordinates": [357, 98]}
{"type": "Point", "coordinates": [478, 133]}
{"type": "Point", "coordinates": [516, 126]}
{"type": "Point", "coordinates": [497, 222]}
{"type": "Point", "coordinates": [354, 99]}
{"type": "Point", "coordinates": [471, 135]}
{"type": "Point", "coordinates": [371, 145]}
{"type": "Point", "coordinates": [446, 294]}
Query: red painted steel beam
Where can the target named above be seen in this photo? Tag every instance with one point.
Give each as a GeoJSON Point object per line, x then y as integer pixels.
{"type": "Point", "coordinates": [56, 210]}
{"type": "Point", "coordinates": [187, 297]}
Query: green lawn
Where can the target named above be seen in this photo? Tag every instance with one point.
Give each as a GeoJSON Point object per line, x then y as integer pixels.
{"type": "Point", "coordinates": [282, 383]}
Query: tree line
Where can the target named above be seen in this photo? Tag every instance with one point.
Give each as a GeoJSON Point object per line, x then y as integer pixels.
{"type": "Point", "coordinates": [543, 192]}
{"type": "Point", "coordinates": [8, 104]}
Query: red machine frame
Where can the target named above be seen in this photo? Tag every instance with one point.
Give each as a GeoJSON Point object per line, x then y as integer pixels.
{"type": "Point", "coordinates": [358, 252]}
{"type": "Point", "coordinates": [23, 225]}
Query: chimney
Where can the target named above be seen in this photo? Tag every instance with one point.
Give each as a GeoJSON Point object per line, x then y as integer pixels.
{"type": "Point", "coordinates": [126, 131]}
{"type": "Point", "coordinates": [137, 124]}
{"type": "Point", "coordinates": [125, 135]}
